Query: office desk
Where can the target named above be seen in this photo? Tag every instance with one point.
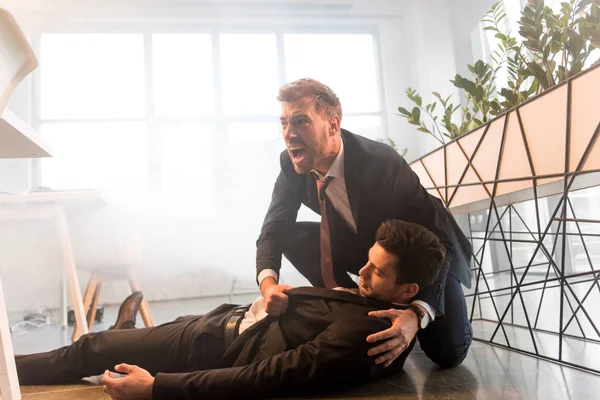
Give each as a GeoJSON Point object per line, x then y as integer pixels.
{"type": "Point", "coordinates": [50, 205]}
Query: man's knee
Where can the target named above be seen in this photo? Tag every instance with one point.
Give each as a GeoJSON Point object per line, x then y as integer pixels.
{"type": "Point", "coordinates": [449, 354]}
{"type": "Point", "coordinates": [447, 358]}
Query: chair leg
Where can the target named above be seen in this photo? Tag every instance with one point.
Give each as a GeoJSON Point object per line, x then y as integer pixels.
{"type": "Point", "coordinates": [88, 297]}
{"type": "Point", "coordinates": [71, 270]}
{"type": "Point", "coordinates": [144, 307]}
{"type": "Point", "coordinates": [94, 306]}
{"type": "Point", "coordinates": [146, 314]}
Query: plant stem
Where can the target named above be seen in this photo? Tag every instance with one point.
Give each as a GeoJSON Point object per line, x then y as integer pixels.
{"type": "Point", "coordinates": [435, 125]}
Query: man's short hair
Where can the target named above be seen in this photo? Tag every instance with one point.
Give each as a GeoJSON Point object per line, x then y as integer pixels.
{"type": "Point", "coordinates": [420, 253]}
{"type": "Point", "coordinates": [325, 99]}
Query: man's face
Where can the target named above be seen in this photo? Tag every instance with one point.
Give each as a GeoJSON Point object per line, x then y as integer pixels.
{"type": "Point", "coordinates": [378, 277]}
{"type": "Point", "coordinates": [307, 135]}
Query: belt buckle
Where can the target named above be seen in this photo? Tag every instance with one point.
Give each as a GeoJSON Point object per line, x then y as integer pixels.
{"type": "Point", "coordinates": [233, 324]}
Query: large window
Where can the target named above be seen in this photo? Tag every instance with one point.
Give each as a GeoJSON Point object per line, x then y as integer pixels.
{"type": "Point", "coordinates": [188, 121]}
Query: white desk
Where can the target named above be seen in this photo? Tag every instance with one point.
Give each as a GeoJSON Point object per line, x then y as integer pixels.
{"type": "Point", "coordinates": [49, 205]}
{"type": "Point", "coordinates": [35, 206]}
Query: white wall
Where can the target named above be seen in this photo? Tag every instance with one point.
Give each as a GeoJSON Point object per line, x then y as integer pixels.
{"type": "Point", "coordinates": [465, 15]}
{"type": "Point", "coordinates": [416, 48]}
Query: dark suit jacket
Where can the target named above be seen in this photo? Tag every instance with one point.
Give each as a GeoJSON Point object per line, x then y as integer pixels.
{"type": "Point", "coordinates": [380, 186]}
{"type": "Point", "coordinates": [318, 345]}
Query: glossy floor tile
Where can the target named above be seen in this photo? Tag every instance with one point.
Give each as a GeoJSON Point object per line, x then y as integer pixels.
{"type": "Point", "coordinates": [574, 350]}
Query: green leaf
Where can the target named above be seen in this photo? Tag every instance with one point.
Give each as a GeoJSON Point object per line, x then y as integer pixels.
{"type": "Point", "coordinates": [539, 74]}
{"type": "Point", "coordinates": [424, 130]}
{"type": "Point", "coordinates": [416, 114]}
{"type": "Point", "coordinates": [547, 49]}
{"type": "Point", "coordinates": [576, 44]}
{"type": "Point", "coordinates": [392, 143]}
{"type": "Point", "coordinates": [576, 67]}
{"type": "Point", "coordinates": [404, 111]}
{"type": "Point", "coordinates": [487, 77]}
{"type": "Point", "coordinates": [533, 88]}
{"type": "Point", "coordinates": [479, 67]}
{"type": "Point", "coordinates": [500, 36]}
{"type": "Point", "coordinates": [479, 93]}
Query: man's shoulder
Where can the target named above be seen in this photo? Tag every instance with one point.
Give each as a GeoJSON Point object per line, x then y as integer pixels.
{"type": "Point", "coordinates": [375, 151]}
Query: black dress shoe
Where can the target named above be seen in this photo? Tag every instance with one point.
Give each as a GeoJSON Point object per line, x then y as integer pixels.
{"type": "Point", "coordinates": [127, 312]}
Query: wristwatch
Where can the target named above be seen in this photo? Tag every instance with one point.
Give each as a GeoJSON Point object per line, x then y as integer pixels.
{"type": "Point", "coordinates": [422, 314]}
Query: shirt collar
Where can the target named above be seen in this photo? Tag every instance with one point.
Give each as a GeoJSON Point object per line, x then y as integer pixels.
{"type": "Point", "coordinates": [337, 167]}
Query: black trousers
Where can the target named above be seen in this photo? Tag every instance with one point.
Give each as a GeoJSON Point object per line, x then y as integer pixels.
{"type": "Point", "coordinates": [183, 345]}
{"type": "Point", "coordinates": [446, 341]}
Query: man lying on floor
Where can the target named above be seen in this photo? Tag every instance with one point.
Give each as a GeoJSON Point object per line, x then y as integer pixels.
{"type": "Point", "coordinates": [232, 352]}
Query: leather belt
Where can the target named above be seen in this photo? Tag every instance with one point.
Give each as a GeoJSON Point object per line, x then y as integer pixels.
{"type": "Point", "coordinates": [232, 328]}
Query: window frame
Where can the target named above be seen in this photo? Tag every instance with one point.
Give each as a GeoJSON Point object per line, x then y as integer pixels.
{"type": "Point", "coordinates": [220, 121]}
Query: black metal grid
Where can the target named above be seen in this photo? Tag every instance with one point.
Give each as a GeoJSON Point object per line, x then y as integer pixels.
{"type": "Point", "coordinates": [499, 222]}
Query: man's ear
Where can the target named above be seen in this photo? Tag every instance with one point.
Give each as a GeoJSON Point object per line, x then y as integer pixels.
{"type": "Point", "coordinates": [334, 125]}
{"type": "Point", "coordinates": [410, 290]}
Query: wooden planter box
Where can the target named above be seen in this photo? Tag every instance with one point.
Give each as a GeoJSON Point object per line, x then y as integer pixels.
{"type": "Point", "coordinates": [535, 147]}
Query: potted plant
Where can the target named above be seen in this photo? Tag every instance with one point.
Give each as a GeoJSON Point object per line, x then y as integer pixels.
{"type": "Point", "coordinates": [546, 107]}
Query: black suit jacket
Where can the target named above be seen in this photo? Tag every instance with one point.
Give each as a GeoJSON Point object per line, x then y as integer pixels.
{"type": "Point", "coordinates": [380, 186]}
{"type": "Point", "coordinates": [318, 345]}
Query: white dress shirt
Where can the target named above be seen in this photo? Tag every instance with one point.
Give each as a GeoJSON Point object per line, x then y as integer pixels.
{"type": "Point", "coordinates": [338, 196]}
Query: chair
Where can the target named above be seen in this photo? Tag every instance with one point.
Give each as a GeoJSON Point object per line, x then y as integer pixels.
{"type": "Point", "coordinates": [108, 244]}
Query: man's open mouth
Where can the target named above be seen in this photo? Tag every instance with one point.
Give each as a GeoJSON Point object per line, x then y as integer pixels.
{"type": "Point", "coordinates": [298, 154]}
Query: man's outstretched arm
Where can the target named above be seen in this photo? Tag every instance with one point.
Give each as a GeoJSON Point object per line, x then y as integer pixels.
{"type": "Point", "coordinates": [279, 219]}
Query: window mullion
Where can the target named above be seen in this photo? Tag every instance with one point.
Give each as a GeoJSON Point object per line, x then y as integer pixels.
{"type": "Point", "coordinates": [220, 140]}
{"type": "Point", "coordinates": [281, 57]}
{"type": "Point", "coordinates": [154, 154]}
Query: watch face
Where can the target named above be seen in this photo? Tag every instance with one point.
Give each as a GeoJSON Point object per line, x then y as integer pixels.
{"type": "Point", "coordinates": [424, 321]}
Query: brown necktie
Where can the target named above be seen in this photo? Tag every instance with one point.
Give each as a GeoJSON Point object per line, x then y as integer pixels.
{"type": "Point", "coordinates": [326, 260]}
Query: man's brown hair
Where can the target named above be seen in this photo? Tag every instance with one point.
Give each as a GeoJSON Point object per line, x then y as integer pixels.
{"type": "Point", "coordinates": [325, 99]}
{"type": "Point", "coordinates": [420, 253]}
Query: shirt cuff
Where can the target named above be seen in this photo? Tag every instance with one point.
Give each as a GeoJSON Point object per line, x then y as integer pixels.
{"type": "Point", "coordinates": [265, 273]}
{"type": "Point", "coordinates": [430, 310]}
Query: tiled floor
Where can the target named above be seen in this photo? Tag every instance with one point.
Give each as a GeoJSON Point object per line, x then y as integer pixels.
{"type": "Point", "coordinates": [487, 373]}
